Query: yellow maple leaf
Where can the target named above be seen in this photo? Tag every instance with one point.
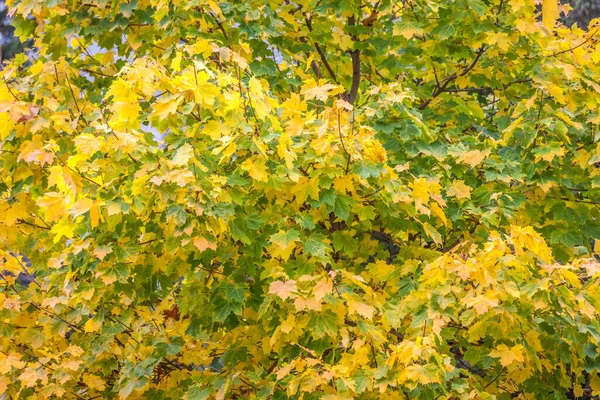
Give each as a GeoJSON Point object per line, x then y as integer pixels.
{"type": "Point", "coordinates": [63, 229]}
{"type": "Point", "coordinates": [358, 307]}
{"type": "Point", "coordinates": [423, 374]}
{"type": "Point", "coordinates": [11, 360]}
{"type": "Point", "coordinates": [307, 303]}
{"type": "Point", "coordinates": [306, 187]}
{"type": "Point", "coordinates": [94, 382]}
{"type": "Point", "coordinates": [10, 214]}
{"type": "Point", "coordinates": [256, 169]}
{"type": "Point", "coordinates": [320, 92]}
{"type": "Point", "coordinates": [54, 205]}
{"type": "Point", "coordinates": [550, 13]}
{"type": "Point", "coordinates": [201, 46]}
{"type": "Point", "coordinates": [407, 30]}
{"type": "Point", "coordinates": [438, 212]}
{"type": "Point", "coordinates": [460, 190]}
{"type": "Point", "coordinates": [6, 125]}
{"type": "Point", "coordinates": [34, 151]}
{"type": "Point", "coordinates": [166, 106]}
{"type": "Point", "coordinates": [558, 93]}
{"type": "Point", "coordinates": [473, 157]}
{"type": "Point", "coordinates": [176, 62]}
{"type": "Point", "coordinates": [508, 355]}
{"type": "Point", "coordinates": [183, 155]}
{"type": "Point", "coordinates": [95, 214]}
{"type": "Point", "coordinates": [283, 251]}
{"type": "Point", "coordinates": [420, 190]}
{"type": "Point", "coordinates": [380, 270]}
{"type": "Point", "coordinates": [87, 143]}
{"type": "Point", "coordinates": [432, 233]}
{"type": "Point", "coordinates": [595, 383]}
{"type": "Point", "coordinates": [288, 324]}
{"type": "Point", "coordinates": [205, 92]}
{"type": "Point", "coordinates": [4, 382]}
{"type": "Point", "coordinates": [322, 288]}
{"type": "Point", "coordinates": [284, 150]}
{"type": "Point", "coordinates": [203, 244]}
{"type": "Point", "coordinates": [93, 324]}
{"type": "Point", "coordinates": [283, 289]}
{"type": "Point", "coordinates": [31, 375]}
{"type": "Point", "coordinates": [501, 39]}
{"type": "Point", "coordinates": [80, 207]}
{"type": "Point", "coordinates": [47, 391]}
{"type": "Point", "coordinates": [528, 240]}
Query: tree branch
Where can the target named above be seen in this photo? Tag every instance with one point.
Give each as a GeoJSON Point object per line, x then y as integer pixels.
{"type": "Point", "coordinates": [320, 51]}
{"type": "Point", "coordinates": [350, 96]}
{"type": "Point", "coordinates": [575, 47]}
{"type": "Point", "coordinates": [444, 84]}
{"type": "Point", "coordinates": [22, 221]}
{"type": "Point", "coordinates": [494, 380]}
{"type": "Point", "coordinates": [343, 145]}
{"type": "Point", "coordinates": [478, 89]}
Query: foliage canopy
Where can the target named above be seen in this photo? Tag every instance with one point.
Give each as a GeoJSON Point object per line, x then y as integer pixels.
{"type": "Point", "coordinates": [348, 199]}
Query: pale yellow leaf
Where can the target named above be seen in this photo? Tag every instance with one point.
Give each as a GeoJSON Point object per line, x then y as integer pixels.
{"type": "Point", "coordinates": [203, 244]}
{"type": "Point", "coordinates": [550, 13]}
{"type": "Point", "coordinates": [508, 355]}
{"type": "Point", "coordinates": [183, 155]}
{"type": "Point", "coordinates": [595, 383]}
{"type": "Point", "coordinates": [80, 207]}
{"type": "Point", "coordinates": [473, 157]}
{"type": "Point", "coordinates": [358, 307]}
{"type": "Point", "coordinates": [94, 382]}
{"type": "Point", "coordinates": [322, 288]}
{"type": "Point", "coordinates": [283, 289]}
{"type": "Point", "coordinates": [460, 190]}
{"type": "Point", "coordinates": [31, 375]}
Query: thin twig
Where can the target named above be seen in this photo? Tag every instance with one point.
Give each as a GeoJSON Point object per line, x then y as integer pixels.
{"type": "Point", "coordinates": [10, 90]}
{"type": "Point", "coordinates": [495, 379]}
{"type": "Point", "coordinates": [444, 84]}
{"type": "Point", "coordinates": [23, 268]}
{"type": "Point", "coordinates": [342, 141]}
{"type": "Point", "coordinates": [372, 193]}
{"type": "Point", "coordinates": [22, 221]}
{"type": "Point", "coordinates": [575, 47]}
{"type": "Point", "coordinates": [77, 172]}
{"type": "Point", "coordinates": [320, 51]}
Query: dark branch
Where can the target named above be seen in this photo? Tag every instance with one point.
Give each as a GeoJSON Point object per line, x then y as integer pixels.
{"type": "Point", "coordinates": [350, 96]}
{"type": "Point", "coordinates": [22, 221]}
{"type": "Point", "coordinates": [479, 89]}
{"type": "Point", "coordinates": [444, 84]}
{"type": "Point", "coordinates": [575, 47]}
{"type": "Point", "coordinates": [315, 69]}
{"type": "Point", "coordinates": [320, 51]}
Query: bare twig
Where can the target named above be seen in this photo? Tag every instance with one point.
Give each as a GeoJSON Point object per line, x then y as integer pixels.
{"type": "Point", "coordinates": [77, 172]}
{"type": "Point", "coordinates": [343, 145]}
{"type": "Point", "coordinates": [590, 37]}
{"type": "Point", "coordinates": [441, 88]}
{"type": "Point", "coordinates": [320, 51]}
{"type": "Point", "coordinates": [22, 221]}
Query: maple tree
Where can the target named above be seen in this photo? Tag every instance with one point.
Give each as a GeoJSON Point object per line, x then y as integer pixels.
{"type": "Point", "coordinates": [300, 199]}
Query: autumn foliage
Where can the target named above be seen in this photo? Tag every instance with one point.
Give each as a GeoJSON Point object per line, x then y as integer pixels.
{"type": "Point", "coordinates": [300, 199]}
